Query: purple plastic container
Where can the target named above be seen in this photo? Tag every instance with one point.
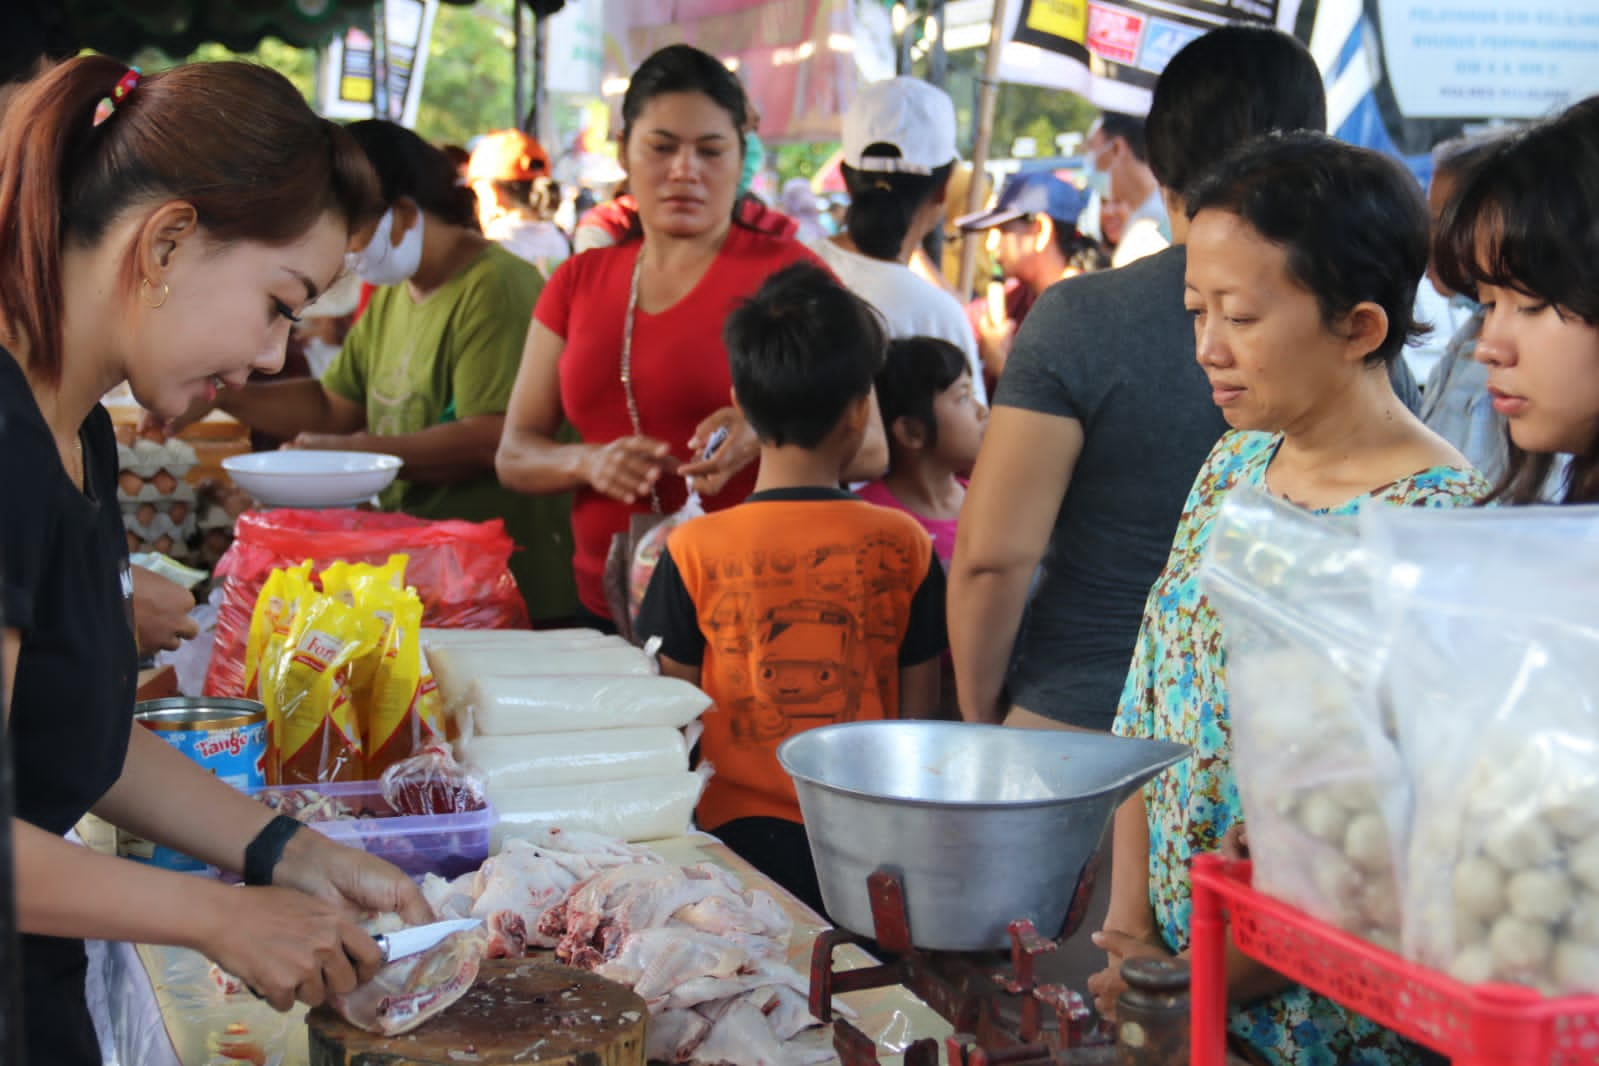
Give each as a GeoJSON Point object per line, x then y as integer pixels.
{"type": "Point", "coordinates": [445, 844]}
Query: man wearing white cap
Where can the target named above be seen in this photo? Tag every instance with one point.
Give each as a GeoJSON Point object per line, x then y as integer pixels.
{"type": "Point", "coordinates": [899, 150]}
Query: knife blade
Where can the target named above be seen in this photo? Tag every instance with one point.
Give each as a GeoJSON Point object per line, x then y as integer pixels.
{"type": "Point", "coordinates": [417, 939]}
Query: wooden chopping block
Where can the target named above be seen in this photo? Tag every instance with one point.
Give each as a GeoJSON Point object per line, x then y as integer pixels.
{"type": "Point", "coordinates": [519, 1011]}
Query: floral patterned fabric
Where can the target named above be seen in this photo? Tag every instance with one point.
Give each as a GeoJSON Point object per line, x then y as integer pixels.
{"type": "Point", "coordinates": [1176, 690]}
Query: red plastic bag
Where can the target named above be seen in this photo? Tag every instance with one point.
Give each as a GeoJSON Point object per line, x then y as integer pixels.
{"type": "Point", "coordinates": [458, 568]}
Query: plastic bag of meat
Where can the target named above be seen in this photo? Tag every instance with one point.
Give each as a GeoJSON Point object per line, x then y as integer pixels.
{"type": "Point", "coordinates": [1322, 784]}
{"type": "Point", "coordinates": [409, 991]}
{"type": "Point", "coordinates": [432, 782]}
{"type": "Point", "coordinates": [1494, 671]}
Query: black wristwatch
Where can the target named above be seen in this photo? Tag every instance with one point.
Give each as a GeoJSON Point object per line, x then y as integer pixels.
{"type": "Point", "coordinates": [261, 855]}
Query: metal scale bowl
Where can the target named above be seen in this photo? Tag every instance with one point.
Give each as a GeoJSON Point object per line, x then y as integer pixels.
{"type": "Point", "coordinates": [984, 825]}
{"type": "Point", "coordinates": [938, 842]}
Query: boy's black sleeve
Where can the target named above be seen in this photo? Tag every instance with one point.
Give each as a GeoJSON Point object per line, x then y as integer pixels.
{"type": "Point", "coordinates": [668, 612]}
{"type": "Point", "coordinates": [925, 635]}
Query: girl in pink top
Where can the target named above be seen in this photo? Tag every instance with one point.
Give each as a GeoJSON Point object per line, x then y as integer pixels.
{"type": "Point", "coordinates": [934, 425]}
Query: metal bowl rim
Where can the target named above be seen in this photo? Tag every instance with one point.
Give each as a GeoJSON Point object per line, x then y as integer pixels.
{"type": "Point", "coordinates": [952, 805]}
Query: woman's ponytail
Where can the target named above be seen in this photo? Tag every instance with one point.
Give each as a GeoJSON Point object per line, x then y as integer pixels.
{"type": "Point", "coordinates": [48, 129]}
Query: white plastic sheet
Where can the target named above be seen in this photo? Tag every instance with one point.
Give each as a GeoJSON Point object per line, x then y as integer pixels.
{"type": "Point", "coordinates": [644, 808]}
{"type": "Point", "coordinates": [433, 637]}
{"type": "Point", "coordinates": [512, 706]}
{"type": "Point", "coordinates": [456, 668]}
{"type": "Point", "coordinates": [574, 758]}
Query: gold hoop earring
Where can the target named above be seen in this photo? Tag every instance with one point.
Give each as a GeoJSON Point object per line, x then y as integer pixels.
{"type": "Point", "coordinates": [149, 285]}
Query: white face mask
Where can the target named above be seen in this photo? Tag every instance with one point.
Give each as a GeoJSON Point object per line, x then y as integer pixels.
{"type": "Point", "coordinates": [384, 263]}
{"type": "Point", "coordinates": [319, 354]}
{"type": "Point", "coordinates": [1098, 181]}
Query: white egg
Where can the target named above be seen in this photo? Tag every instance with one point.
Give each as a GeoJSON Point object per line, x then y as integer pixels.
{"type": "Point", "coordinates": [1324, 818]}
{"type": "Point", "coordinates": [1518, 842]}
{"type": "Point", "coordinates": [1583, 922]}
{"type": "Point", "coordinates": [1576, 967]}
{"type": "Point", "coordinates": [1379, 902]}
{"type": "Point", "coordinates": [1583, 860]}
{"type": "Point", "coordinates": [1539, 895]}
{"type": "Point", "coordinates": [1354, 796]}
{"type": "Point", "coordinates": [1520, 948]}
{"type": "Point", "coordinates": [1479, 886]}
{"type": "Point", "coordinates": [1366, 843]}
{"type": "Point", "coordinates": [1575, 815]}
{"type": "Point", "coordinates": [1336, 880]}
{"type": "Point", "coordinates": [1473, 965]}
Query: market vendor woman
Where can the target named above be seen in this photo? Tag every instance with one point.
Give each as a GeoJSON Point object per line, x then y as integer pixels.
{"type": "Point", "coordinates": [426, 372]}
{"type": "Point", "coordinates": [161, 231]}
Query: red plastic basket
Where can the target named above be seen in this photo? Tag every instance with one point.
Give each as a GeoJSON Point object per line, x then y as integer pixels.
{"type": "Point", "coordinates": [1475, 1025]}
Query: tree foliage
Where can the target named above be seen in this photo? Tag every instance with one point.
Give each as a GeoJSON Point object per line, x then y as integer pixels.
{"type": "Point", "coordinates": [468, 86]}
{"type": "Point", "coordinates": [296, 64]}
{"type": "Point", "coordinates": [801, 160]}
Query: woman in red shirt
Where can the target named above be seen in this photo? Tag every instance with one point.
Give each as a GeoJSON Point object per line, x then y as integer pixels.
{"type": "Point", "coordinates": [626, 341]}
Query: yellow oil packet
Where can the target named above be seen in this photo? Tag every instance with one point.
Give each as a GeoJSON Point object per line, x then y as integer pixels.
{"type": "Point", "coordinates": [269, 629]}
{"type": "Point", "coordinates": [321, 736]}
{"type": "Point", "coordinates": [407, 713]}
{"type": "Point", "coordinates": [272, 607]}
{"type": "Point", "coordinates": [371, 589]}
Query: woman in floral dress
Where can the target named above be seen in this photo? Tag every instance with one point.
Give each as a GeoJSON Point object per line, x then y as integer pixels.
{"type": "Point", "coordinates": [1303, 259]}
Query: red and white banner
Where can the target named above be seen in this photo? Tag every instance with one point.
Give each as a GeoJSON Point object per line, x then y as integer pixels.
{"type": "Point", "coordinates": [1111, 51]}
{"type": "Point", "coordinates": [796, 58]}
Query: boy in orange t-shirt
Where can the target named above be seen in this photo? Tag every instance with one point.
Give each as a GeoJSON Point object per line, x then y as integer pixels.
{"type": "Point", "coordinates": [804, 605]}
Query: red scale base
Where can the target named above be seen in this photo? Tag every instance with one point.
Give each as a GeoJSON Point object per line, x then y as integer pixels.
{"type": "Point", "coordinates": [1001, 1017]}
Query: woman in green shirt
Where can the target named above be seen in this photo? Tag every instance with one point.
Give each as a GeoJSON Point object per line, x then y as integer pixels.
{"type": "Point", "coordinates": [427, 370]}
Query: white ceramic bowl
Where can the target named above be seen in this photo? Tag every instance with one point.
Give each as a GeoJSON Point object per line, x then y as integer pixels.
{"type": "Point", "coordinates": [301, 478]}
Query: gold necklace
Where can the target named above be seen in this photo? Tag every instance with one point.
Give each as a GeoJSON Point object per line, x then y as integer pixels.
{"type": "Point", "coordinates": [627, 365]}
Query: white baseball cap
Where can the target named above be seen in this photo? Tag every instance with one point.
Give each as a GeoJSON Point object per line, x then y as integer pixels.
{"type": "Point", "coordinates": [908, 114]}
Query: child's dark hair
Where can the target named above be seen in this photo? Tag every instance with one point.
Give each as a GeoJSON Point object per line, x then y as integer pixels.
{"type": "Point", "coordinates": [801, 350]}
{"type": "Point", "coordinates": [915, 371]}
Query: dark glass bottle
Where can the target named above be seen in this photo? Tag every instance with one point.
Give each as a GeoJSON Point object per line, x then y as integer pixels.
{"type": "Point", "coordinates": [1152, 1014]}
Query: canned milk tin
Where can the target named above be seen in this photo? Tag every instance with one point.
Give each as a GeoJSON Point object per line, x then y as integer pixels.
{"type": "Point", "coordinates": [227, 737]}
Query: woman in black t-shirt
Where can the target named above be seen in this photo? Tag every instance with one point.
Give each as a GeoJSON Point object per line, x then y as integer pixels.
{"type": "Point", "coordinates": [162, 231]}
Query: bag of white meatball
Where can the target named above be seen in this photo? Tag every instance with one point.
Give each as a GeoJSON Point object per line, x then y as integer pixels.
{"type": "Point", "coordinates": [1324, 792]}
{"type": "Point", "coordinates": [1494, 674]}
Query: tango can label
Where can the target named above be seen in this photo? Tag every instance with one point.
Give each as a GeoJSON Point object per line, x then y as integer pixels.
{"type": "Point", "coordinates": [226, 737]}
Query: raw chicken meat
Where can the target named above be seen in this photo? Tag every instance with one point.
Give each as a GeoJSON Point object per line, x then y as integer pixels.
{"type": "Point", "coordinates": [603, 911]}
{"type": "Point", "coordinates": [512, 891]}
{"type": "Point", "coordinates": [655, 961]}
{"type": "Point", "coordinates": [757, 974]}
{"type": "Point", "coordinates": [707, 956]}
{"type": "Point", "coordinates": [740, 1034]}
{"type": "Point", "coordinates": [408, 992]}
{"type": "Point", "coordinates": [673, 1035]}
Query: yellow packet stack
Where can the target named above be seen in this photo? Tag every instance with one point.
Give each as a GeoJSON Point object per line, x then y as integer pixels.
{"type": "Point", "coordinates": [320, 732]}
{"type": "Point", "coordinates": [275, 610]}
{"type": "Point", "coordinates": [371, 589]}
{"type": "Point", "coordinates": [406, 710]}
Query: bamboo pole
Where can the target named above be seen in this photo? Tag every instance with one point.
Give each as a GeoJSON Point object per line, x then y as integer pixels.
{"type": "Point", "coordinates": [987, 93]}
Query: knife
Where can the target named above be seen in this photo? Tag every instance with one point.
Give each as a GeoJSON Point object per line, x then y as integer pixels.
{"type": "Point", "coordinates": [414, 941]}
